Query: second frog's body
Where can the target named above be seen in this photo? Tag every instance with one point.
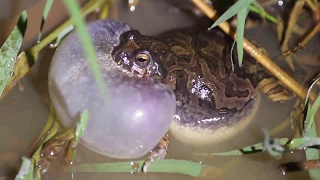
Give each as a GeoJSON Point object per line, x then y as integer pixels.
{"type": "Point", "coordinates": [213, 101]}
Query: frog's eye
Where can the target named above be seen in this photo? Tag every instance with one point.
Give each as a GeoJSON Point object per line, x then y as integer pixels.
{"type": "Point", "coordinates": [142, 59]}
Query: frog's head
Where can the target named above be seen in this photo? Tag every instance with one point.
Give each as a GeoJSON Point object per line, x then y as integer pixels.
{"type": "Point", "coordinates": [141, 55]}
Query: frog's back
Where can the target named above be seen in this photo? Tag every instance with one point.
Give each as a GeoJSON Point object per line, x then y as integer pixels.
{"type": "Point", "coordinates": [211, 97]}
{"type": "Point", "coordinates": [213, 102]}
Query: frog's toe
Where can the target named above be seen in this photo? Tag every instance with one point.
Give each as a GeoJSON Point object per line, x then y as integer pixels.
{"type": "Point", "coordinates": [159, 152]}
{"type": "Point", "coordinates": [274, 90]}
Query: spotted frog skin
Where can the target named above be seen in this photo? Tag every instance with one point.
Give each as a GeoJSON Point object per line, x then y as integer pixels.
{"type": "Point", "coordinates": [212, 99]}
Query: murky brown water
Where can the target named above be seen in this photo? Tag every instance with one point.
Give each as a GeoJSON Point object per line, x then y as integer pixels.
{"type": "Point", "coordinates": [23, 114]}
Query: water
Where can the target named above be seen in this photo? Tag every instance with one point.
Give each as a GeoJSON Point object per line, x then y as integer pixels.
{"type": "Point", "coordinates": [23, 114]}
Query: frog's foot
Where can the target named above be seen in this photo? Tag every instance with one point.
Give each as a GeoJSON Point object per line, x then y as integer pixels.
{"type": "Point", "coordinates": [275, 91]}
{"type": "Point", "coordinates": [159, 152]}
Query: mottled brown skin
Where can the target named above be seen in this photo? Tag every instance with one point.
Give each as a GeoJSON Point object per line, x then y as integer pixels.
{"type": "Point", "coordinates": [196, 64]}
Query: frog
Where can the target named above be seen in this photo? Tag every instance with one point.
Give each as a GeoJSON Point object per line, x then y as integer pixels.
{"type": "Point", "coordinates": [216, 97]}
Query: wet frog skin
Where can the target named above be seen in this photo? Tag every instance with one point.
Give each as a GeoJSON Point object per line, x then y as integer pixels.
{"type": "Point", "coordinates": [213, 102]}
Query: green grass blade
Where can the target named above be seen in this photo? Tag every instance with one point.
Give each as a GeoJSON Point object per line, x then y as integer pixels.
{"type": "Point", "coordinates": [26, 171]}
{"type": "Point", "coordinates": [242, 15]}
{"type": "Point", "coordinates": [233, 10]}
{"type": "Point", "coordinates": [258, 6]}
{"type": "Point", "coordinates": [61, 35]}
{"type": "Point", "coordinates": [310, 131]}
{"type": "Point", "coordinates": [81, 125]}
{"type": "Point", "coordinates": [26, 59]}
{"type": "Point", "coordinates": [263, 13]}
{"type": "Point", "coordinates": [80, 24]}
{"type": "Point", "coordinates": [10, 49]}
{"type": "Point", "coordinates": [278, 145]}
{"type": "Point", "coordinates": [300, 143]}
{"type": "Point", "coordinates": [256, 148]}
{"type": "Point", "coordinates": [165, 166]}
{"type": "Point", "coordinates": [45, 14]}
{"type": "Point", "coordinates": [312, 154]}
{"type": "Point", "coordinates": [310, 117]}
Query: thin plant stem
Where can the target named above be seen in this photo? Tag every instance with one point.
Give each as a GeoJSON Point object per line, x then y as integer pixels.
{"type": "Point", "coordinates": [303, 43]}
{"type": "Point", "coordinates": [104, 10]}
{"type": "Point", "coordinates": [293, 18]}
{"type": "Point", "coordinates": [264, 14]}
{"type": "Point", "coordinates": [312, 6]}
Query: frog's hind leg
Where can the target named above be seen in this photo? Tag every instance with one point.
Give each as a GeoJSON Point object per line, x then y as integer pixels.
{"type": "Point", "coordinates": [275, 90]}
{"type": "Point", "coordinates": [266, 83]}
{"type": "Point", "coordinates": [159, 152]}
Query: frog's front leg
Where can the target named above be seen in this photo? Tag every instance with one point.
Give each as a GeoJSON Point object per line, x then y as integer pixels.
{"type": "Point", "coordinates": [159, 152]}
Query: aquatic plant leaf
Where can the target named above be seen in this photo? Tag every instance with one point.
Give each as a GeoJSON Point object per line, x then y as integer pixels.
{"type": "Point", "coordinates": [242, 15]}
{"type": "Point", "coordinates": [49, 124]}
{"type": "Point", "coordinates": [27, 58]}
{"type": "Point", "coordinates": [256, 148]}
{"type": "Point", "coordinates": [233, 10]}
{"type": "Point", "coordinates": [81, 125]}
{"type": "Point", "coordinates": [61, 35]}
{"type": "Point", "coordinates": [313, 154]}
{"type": "Point", "coordinates": [301, 143]}
{"type": "Point", "coordinates": [80, 24]}
{"type": "Point", "coordinates": [10, 49]}
{"type": "Point", "coordinates": [45, 14]}
{"type": "Point", "coordinates": [275, 147]}
{"type": "Point", "coordinates": [165, 166]}
{"type": "Point", "coordinates": [310, 117]}
{"type": "Point", "coordinates": [310, 129]}
{"type": "Point", "coordinates": [26, 171]}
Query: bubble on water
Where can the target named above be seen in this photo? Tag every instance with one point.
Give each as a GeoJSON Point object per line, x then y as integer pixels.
{"type": "Point", "coordinates": [132, 8]}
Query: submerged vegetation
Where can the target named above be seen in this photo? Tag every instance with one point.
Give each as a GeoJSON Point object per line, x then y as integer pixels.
{"type": "Point", "coordinates": [14, 67]}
